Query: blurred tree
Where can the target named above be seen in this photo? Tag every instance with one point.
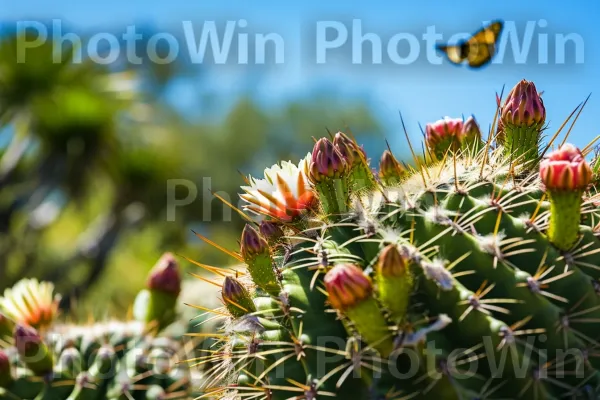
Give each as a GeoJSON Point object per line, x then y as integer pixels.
{"type": "Point", "coordinates": [85, 159]}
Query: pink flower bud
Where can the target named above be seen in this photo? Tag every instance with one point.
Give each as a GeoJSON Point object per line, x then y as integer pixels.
{"type": "Point", "coordinates": [349, 149]}
{"type": "Point", "coordinates": [565, 170]}
{"type": "Point", "coordinates": [444, 134]}
{"type": "Point", "coordinates": [327, 162]}
{"type": "Point", "coordinates": [347, 286]}
{"type": "Point", "coordinates": [523, 106]}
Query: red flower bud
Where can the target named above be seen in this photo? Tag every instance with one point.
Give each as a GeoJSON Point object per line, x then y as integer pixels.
{"type": "Point", "coordinates": [347, 286]}
{"type": "Point", "coordinates": [565, 170]}
{"type": "Point", "coordinates": [164, 276]}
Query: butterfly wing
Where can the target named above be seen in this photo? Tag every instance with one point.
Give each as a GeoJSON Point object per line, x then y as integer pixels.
{"type": "Point", "coordinates": [478, 50]}
{"type": "Point", "coordinates": [479, 54]}
{"type": "Point", "coordinates": [455, 54]}
{"type": "Point", "coordinates": [482, 45]}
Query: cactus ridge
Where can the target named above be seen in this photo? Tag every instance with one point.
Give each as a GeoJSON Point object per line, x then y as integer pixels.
{"type": "Point", "coordinates": [477, 300]}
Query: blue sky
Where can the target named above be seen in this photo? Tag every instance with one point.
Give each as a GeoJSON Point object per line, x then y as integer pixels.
{"type": "Point", "coordinates": [421, 91]}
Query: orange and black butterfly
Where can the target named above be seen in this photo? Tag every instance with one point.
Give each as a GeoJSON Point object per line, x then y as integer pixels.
{"type": "Point", "coordinates": [478, 50]}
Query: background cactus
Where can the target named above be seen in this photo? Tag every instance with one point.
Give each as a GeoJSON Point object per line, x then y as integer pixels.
{"type": "Point", "coordinates": [472, 275]}
{"type": "Point", "coordinates": [43, 359]}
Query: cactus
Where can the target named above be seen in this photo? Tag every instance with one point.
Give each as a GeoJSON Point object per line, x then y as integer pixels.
{"type": "Point", "coordinates": [45, 359]}
{"type": "Point", "coordinates": [473, 274]}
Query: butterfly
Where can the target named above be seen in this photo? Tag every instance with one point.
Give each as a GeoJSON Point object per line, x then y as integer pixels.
{"type": "Point", "coordinates": [478, 50]}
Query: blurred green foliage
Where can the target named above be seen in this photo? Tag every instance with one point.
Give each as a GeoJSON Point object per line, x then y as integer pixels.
{"type": "Point", "coordinates": [86, 153]}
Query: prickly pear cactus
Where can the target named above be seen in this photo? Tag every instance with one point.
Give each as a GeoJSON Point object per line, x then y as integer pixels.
{"type": "Point", "coordinates": [471, 275]}
{"type": "Point", "coordinates": [42, 359]}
